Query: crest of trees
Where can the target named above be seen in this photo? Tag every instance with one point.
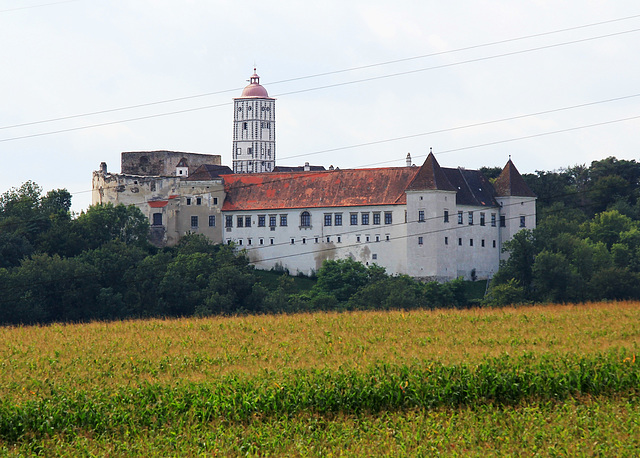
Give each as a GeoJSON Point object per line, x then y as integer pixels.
{"type": "Point", "coordinates": [586, 245]}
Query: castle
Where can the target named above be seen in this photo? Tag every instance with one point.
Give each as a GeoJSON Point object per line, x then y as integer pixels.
{"type": "Point", "coordinates": [429, 222]}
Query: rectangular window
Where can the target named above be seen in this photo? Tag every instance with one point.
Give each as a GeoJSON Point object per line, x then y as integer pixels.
{"type": "Point", "coordinates": [247, 221]}
{"type": "Point", "coordinates": [357, 238]}
{"type": "Point", "coordinates": [317, 239]}
{"type": "Point", "coordinates": [387, 237]}
{"type": "Point", "coordinates": [215, 201]}
{"type": "Point", "coordinates": [367, 238]}
{"type": "Point", "coordinates": [271, 241]}
{"type": "Point", "coordinates": [374, 256]}
{"type": "Point", "coordinates": [228, 221]}
{"type": "Point", "coordinates": [493, 220]}
{"type": "Point", "coordinates": [283, 220]}
{"type": "Point", "coordinates": [262, 221]}
{"type": "Point", "coordinates": [376, 218]}
{"type": "Point", "coordinates": [212, 220]}
{"type": "Point", "coordinates": [388, 219]}
{"type": "Point", "coordinates": [188, 200]}
{"type": "Point", "coordinates": [470, 218]}
{"type": "Point", "coordinates": [198, 200]}
{"type": "Point", "coordinates": [328, 239]}
{"type": "Point", "coordinates": [503, 221]}
{"type": "Point", "coordinates": [157, 219]}
{"type": "Point", "coordinates": [339, 239]}
{"type": "Point", "coordinates": [293, 241]}
{"type": "Point", "coordinates": [248, 241]}
{"type": "Point", "coordinates": [364, 220]}
{"type": "Point", "coordinates": [261, 241]}
{"type": "Point", "coordinates": [421, 216]}
{"type": "Point", "coordinates": [272, 220]}
{"type": "Point", "coordinates": [304, 241]}
{"type": "Point", "coordinates": [494, 243]}
{"type": "Point", "coordinates": [240, 221]}
{"type": "Point", "coordinates": [338, 219]}
{"type": "Point", "coordinates": [523, 222]}
{"type": "Point", "coordinates": [354, 219]}
{"type": "Point", "coordinates": [327, 219]}
{"type": "Point", "coordinates": [194, 221]}
{"type": "Point", "coordinates": [482, 220]}
{"type": "Point", "coordinates": [470, 242]}
{"type": "Point", "coordinates": [377, 238]}
{"type": "Point", "coordinates": [446, 240]}
{"type": "Point", "coordinates": [482, 243]}
{"type": "Point", "coordinates": [446, 216]}
{"type": "Point", "coordinates": [240, 242]}
{"type": "Point", "coordinates": [459, 241]}
{"type": "Point", "coordinates": [420, 240]}
{"type": "Point", "coordinates": [460, 218]}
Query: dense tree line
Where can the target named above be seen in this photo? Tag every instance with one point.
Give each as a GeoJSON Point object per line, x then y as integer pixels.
{"type": "Point", "coordinates": [586, 245]}
{"type": "Point", "coordinates": [100, 266]}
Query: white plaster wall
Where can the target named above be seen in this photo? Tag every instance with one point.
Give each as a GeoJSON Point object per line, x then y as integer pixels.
{"type": "Point", "coordinates": [484, 259]}
{"type": "Point", "coordinates": [382, 244]}
{"type": "Point", "coordinates": [433, 259]}
{"type": "Point", "coordinates": [513, 207]}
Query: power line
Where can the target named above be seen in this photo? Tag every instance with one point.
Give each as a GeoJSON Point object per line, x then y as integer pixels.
{"type": "Point", "coordinates": [38, 6]}
{"type": "Point", "coordinates": [329, 86]}
{"type": "Point", "coordinates": [451, 129]}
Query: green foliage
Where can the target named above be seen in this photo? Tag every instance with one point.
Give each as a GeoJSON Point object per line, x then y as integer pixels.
{"type": "Point", "coordinates": [502, 381]}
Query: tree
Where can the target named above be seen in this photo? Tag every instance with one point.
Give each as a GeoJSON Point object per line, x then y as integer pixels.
{"type": "Point", "coordinates": [106, 222]}
{"type": "Point", "coordinates": [342, 278]}
{"type": "Point", "coordinates": [522, 249]}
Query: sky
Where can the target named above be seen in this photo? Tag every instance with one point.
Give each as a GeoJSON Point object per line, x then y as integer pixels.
{"type": "Point", "coordinates": [358, 83]}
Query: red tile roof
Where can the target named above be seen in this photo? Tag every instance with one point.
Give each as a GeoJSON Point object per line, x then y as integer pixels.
{"type": "Point", "coordinates": [511, 183]}
{"type": "Point", "coordinates": [333, 188]}
{"type": "Point", "coordinates": [430, 176]}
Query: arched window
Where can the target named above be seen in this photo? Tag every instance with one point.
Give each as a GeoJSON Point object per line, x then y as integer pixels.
{"type": "Point", "coordinates": [305, 219]}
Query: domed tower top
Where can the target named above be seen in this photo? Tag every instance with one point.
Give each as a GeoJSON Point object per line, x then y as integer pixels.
{"type": "Point", "coordinates": [254, 129]}
{"type": "Point", "coordinates": [254, 89]}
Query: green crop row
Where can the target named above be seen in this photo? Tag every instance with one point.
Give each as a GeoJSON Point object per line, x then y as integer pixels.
{"type": "Point", "coordinates": [504, 381]}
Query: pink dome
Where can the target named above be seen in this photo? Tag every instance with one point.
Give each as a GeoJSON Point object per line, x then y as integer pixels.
{"type": "Point", "coordinates": [254, 89]}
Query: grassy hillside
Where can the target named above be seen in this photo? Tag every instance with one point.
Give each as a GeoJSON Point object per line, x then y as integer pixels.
{"type": "Point", "coordinates": [471, 381]}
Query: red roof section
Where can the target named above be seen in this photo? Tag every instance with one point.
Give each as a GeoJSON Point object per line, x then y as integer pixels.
{"type": "Point", "coordinates": [511, 183]}
{"type": "Point", "coordinates": [158, 203]}
{"type": "Point", "coordinates": [333, 188]}
{"type": "Point", "coordinates": [431, 177]}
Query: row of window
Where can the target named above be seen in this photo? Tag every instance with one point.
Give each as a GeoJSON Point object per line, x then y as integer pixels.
{"type": "Point", "coordinates": [249, 108]}
{"type": "Point", "coordinates": [503, 220]}
{"type": "Point", "coordinates": [194, 221]}
{"type": "Point", "coordinates": [330, 219]}
{"type": "Point", "coordinates": [263, 125]}
{"type": "Point", "coordinates": [198, 200]}
{"type": "Point", "coordinates": [316, 239]}
{"type": "Point", "coordinates": [446, 242]}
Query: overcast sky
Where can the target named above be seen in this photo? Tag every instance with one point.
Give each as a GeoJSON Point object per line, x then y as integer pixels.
{"type": "Point", "coordinates": [72, 58]}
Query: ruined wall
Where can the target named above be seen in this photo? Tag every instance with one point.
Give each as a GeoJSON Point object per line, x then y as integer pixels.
{"type": "Point", "coordinates": [163, 163]}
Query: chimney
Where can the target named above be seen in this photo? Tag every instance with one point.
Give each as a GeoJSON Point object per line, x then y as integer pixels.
{"type": "Point", "coordinates": [306, 167]}
{"type": "Point", "coordinates": [408, 159]}
{"type": "Point", "coordinates": [103, 168]}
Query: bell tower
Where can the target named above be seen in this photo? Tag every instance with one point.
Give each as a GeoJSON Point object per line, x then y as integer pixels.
{"type": "Point", "coordinates": [254, 129]}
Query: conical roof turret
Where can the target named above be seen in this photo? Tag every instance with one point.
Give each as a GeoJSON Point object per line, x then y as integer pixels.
{"type": "Point", "coordinates": [430, 177]}
{"type": "Point", "coordinates": [511, 183]}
